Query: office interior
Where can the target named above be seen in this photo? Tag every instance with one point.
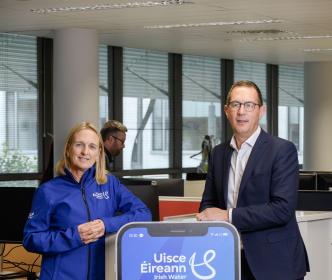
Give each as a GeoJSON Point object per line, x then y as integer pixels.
{"type": "Point", "coordinates": [163, 68]}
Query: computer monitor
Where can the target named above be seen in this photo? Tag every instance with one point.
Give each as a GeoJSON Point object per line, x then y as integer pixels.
{"type": "Point", "coordinates": [307, 181]}
{"type": "Point", "coordinates": [324, 181]}
{"type": "Point", "coordinates": [314, 201]}
{"type": "Point", "coordinates": [195, 176]}
{"type": "Point", "coordinates": [148, 195]}
{"type": "Point", "coordinates": [169, 187]}
{"type": "Point", "coordinates": [15, 205]}
{"type": "Point", "coordinates": [148, 190]}
{"type": "Point", "coordinates": [135, 181]}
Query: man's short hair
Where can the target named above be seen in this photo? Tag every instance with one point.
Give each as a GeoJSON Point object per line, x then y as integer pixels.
{"type": "Point", "coordinates": [245, 83]}
{"type": "Point", "coordinates": [110, 127]}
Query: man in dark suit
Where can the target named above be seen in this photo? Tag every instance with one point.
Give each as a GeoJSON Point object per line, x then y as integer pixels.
{"type": "Point", "coordinates": [114, 137]}
{"type": "Point", "coordinates": [252, 182]}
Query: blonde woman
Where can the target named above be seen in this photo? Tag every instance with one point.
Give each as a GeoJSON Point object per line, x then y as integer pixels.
{"type": "Point", "coordinates": [72, 213]}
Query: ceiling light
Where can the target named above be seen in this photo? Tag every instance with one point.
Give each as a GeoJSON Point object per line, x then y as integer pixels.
{"type": "Point", "coordinates": [290, 38]}
{"type": "Point", "coordinates": [99, 7]}
{"type": "Point", "coordinates": [317, 50]}
{"type": "Point", "coordinates": [220, 23]}
{"type": "Point", "coordinates": [257, 32]}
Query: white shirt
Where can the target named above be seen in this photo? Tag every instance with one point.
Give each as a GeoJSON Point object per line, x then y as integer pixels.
{"type": "Point", "coordinates": [238, 164]}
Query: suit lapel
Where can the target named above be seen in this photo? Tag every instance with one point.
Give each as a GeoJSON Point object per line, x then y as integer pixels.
{"type": "Point", "coordinates": [226, 167]}
{"type": "Point", "coordinates": [253, 159]}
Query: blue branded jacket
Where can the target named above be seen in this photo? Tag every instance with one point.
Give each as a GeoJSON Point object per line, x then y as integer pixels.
{"type": "Point", "coordinates": [59, 206]}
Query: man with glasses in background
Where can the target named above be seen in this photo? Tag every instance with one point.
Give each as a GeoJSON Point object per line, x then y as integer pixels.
{"type": "Point", "coordinates": [252, 183]}
{"type": "Point", "coordinates": [114, 137]}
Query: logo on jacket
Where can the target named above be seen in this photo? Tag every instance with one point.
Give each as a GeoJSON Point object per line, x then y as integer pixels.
{"type": "Point", "coordinates": [101, 195]}
{"type": "Point", "coordinates": [31, 214]}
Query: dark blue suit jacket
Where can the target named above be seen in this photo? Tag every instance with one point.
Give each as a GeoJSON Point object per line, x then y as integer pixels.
{"type": "Point", "coordinates": [265, 211]}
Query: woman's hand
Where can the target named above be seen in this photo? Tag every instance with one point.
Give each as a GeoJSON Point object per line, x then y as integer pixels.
{"type": "Point", "coordinates": [91, 231]}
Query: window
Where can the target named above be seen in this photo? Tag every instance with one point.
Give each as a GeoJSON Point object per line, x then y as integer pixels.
{"type": "Point", "coordinates": [255, 72]}
{"type": "Point", "coordinates": [145, 109]}
{"type": "Point", "coordinates": [104, 91]}
{"type": "Point", "coordinates": [291, 105]}
{"type": "Point", "coordinates": [160, 126]}
{"type": "Point", "coordinates": [201, 106]}
{"type": "Point", "coordinates": [18, 104]}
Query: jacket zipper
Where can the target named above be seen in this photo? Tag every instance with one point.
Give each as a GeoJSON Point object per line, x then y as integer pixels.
{"type": "Point", "coordinates": [89, 219]}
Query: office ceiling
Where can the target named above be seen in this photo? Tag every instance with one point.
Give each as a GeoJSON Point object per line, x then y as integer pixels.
{"type": "Point", "coordinates": [302, 30]}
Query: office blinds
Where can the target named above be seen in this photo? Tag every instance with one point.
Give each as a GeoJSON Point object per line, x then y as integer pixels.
{"type": "Point", "coordinates": [145, 109]}
{"type": "Point", "coordinates": [201, 106]}
{"type": "Point", "coordinates": [104, 91]}
{"type": "Point", "coordinates": [18, 104]}
{"type": "Point", "coordinates": [291, 83]}
{"type": "Point", "coordinates": [291, 105]}
{"type": "Point", "coordinates": [255, 72]}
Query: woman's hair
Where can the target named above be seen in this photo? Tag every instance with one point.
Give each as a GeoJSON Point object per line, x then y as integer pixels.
{"type": "Point", "coordinates": [65, 162]}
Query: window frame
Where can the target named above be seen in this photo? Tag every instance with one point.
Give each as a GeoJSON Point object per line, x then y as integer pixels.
{"type": "Point", "coordinates": [44, 115]}
{"type": "Point", "coordinates": [115, 97]}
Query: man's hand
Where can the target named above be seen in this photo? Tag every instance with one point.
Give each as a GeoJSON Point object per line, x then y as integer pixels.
{"type": "Point", "coordinates": [213, 214]}
{"type": "Point", "coordinates": [91, 231]}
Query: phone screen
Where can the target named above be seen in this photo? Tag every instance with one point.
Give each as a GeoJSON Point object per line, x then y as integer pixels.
{"type": "Point", "coordinates": [173, 252]}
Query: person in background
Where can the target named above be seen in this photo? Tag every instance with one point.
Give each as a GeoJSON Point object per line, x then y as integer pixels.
{"type": "Point", "coordinates": [114, 137]}
{"type": "Point", "coordinates": [71, 213]}
{"type": "Point", "coordinates": [252, 182]}
{"type": "Point", "coordinates": [206, 148]}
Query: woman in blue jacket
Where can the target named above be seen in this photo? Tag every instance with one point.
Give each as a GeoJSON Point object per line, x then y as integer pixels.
{"type": "Point", "coordinates": [71, 213]}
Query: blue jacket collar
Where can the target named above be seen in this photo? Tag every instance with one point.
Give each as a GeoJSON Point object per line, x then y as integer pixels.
{"type": "Point", "coordinates": [88, 175]}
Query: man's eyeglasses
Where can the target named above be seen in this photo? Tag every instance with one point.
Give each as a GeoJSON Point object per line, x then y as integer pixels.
{"type": "Point", "coordinates": [120, 140]}
{"type": "Point", "coordinates": [248, 106]}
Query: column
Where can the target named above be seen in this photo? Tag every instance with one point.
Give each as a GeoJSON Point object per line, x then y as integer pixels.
{"type": "Point", "coordinates": [318, 116]}
{"type": "Point", "coordinates": [76, 92]}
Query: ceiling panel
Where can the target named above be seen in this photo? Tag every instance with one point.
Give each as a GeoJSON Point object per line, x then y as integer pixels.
{"type": "Point", "coordinates": [125, 27]}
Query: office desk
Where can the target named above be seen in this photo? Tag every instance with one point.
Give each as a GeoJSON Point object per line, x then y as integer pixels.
{"type": "Point", "coordinates": [316, 231]}
{"type": "Point", "coordinates": [4, 273]}
{"type": "Point", "coordinates": [110, 262]}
